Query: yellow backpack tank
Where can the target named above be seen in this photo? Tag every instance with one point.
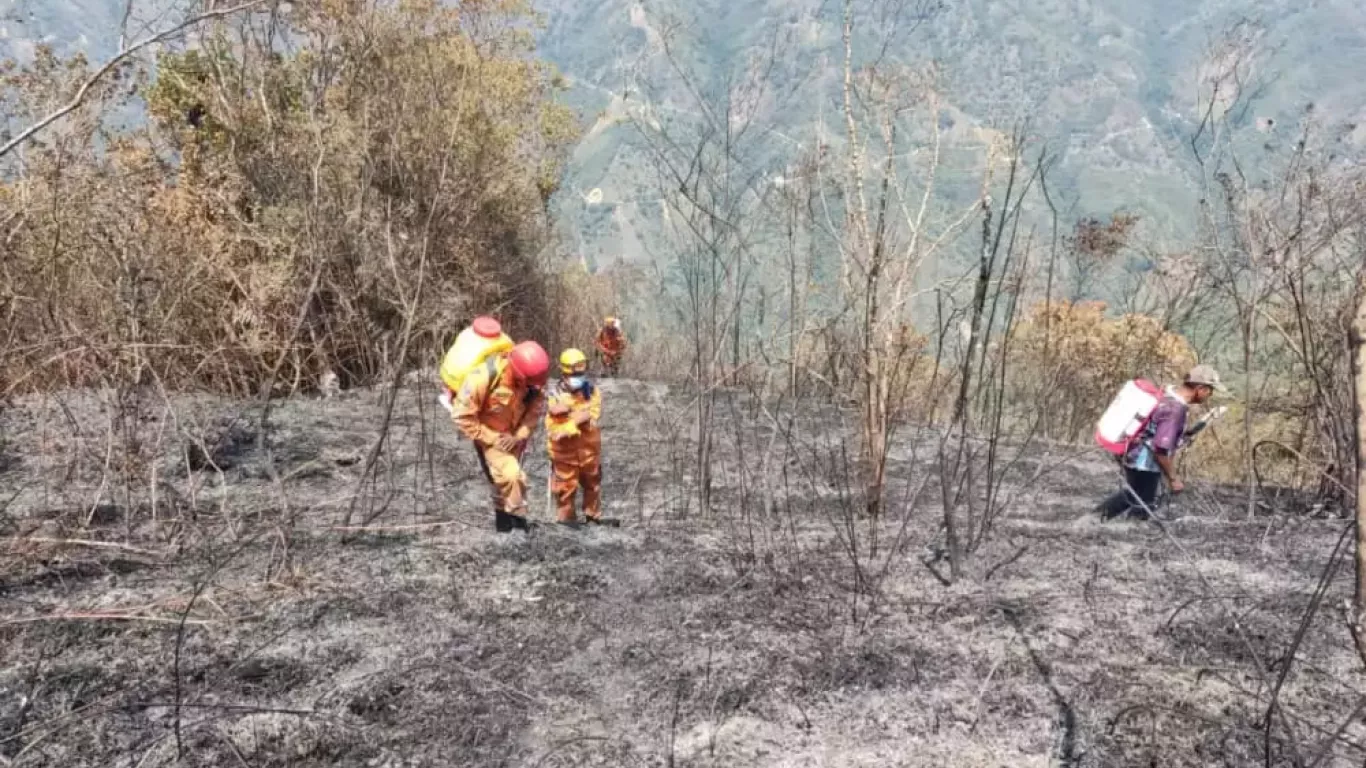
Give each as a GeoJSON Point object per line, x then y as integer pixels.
{"type": "Point", "coordinates": [472, 347]}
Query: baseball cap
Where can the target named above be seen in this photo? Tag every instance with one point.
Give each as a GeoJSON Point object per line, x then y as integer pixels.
{"type": "Point", "coordinates": [1206, 375]}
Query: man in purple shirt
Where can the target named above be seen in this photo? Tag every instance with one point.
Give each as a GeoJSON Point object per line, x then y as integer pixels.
{"type": "Point", "coordinates": [1151, 453]}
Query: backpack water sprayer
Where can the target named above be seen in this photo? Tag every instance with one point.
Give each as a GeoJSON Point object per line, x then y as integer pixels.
{"type": "Point", "coordinates": [1127, 415]}
{"type": "Point", "coordinates": [474, 345]}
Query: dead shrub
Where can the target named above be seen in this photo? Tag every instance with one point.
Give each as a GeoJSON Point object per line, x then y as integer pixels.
{"type": "Point", "coordinates": [307, 192]}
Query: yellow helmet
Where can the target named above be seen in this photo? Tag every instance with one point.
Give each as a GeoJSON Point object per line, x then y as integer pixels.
{"type": "Point", "coordinates": [573, 361]}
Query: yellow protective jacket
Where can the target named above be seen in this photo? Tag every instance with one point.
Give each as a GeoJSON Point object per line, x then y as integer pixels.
{"type": "Point", "coordinates": [490, 404]}
{"type": "Point", "coordinates": [566, 440]}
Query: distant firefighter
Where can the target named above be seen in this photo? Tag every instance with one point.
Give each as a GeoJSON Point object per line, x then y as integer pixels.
{"type": "Point", "coordinates": [611, 345]}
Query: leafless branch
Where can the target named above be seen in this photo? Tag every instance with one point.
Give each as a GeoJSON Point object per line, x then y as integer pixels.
{"type": "Point", "coordinates": [122, 56]}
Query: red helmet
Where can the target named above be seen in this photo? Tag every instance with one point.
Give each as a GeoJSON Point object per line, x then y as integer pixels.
{"type": "Point", "coordinates": [530, 363]}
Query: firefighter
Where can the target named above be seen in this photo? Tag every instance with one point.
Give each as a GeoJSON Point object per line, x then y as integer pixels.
{"type": "Point", "coordinates": [611, 345]}
{"type": "Point", "coordinates": [574, 406]}
{"type": "Point", "coordinates": [496, 408]}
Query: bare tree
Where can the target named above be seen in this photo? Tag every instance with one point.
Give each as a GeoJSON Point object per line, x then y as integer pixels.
{"type": "Point", "coordinates": [1359, 379]}
{"type": "Point", "coordinates": [126, 51]}
{"type": "Point", "coordinates": [1235, 249]}
{"type": "Point", "coordinates": [970, 483]}
{"type": "Point", "coordinates": [1276, 256]}
{"type": "Point", "coordinates": [719, 194]}
{"type": "Point", "coordinates": [887, 232]}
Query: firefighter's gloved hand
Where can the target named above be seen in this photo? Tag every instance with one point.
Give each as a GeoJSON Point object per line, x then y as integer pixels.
{"type": "Point", "coordinates": [1176, 486]}
{"type": "Point", "coordinates": [582, 418]}
{"type": "Point", "coordinates": [506, 443]}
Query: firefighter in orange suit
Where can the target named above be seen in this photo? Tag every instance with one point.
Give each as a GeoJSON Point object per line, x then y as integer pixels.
{"type": "Point", "coordinates": [497, 408]}
{"type": "Point", "coordinates": [611, 345]}
{"type": "Point", "coordinates": [574, 406]}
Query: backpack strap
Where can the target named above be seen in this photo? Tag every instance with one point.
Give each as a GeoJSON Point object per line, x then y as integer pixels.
{"type": "Point", "coordinates": [491, 368]}
{"type": "Point", "coordinates": [531, 393]}
{"type": "Point", "coordinates": [1140, 436]}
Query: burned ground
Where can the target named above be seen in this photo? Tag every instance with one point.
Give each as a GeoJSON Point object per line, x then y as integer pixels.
{"type": "Point", "coordinates": [223, 609]}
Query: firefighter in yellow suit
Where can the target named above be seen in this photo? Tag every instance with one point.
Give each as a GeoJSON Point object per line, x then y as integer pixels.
{"type": "Point", "coordinates": [574, 406]}
{"type": "Point", "coordinates": [497, 408]}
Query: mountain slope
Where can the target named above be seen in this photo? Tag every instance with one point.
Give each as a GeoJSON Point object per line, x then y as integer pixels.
{"type": "Point", "coordinates": [1110, 86]}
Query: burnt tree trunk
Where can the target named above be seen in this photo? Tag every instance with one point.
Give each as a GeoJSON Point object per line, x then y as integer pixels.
{"type": "Point", "coordinates": [1359, 386]}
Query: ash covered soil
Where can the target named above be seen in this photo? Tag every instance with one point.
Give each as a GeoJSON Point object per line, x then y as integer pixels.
{"type": "Point", "coordinates": [221, 608]}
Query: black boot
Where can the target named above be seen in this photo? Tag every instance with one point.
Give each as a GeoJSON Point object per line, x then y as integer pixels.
{"type": "Point", "coordinates": [503, 522]}
{"type": "Point", "coordinates": [572, 525]}
{"type": "Point", "coordinates": [606, 522]}
{"type": "Point", "coordinates": [519, 522]}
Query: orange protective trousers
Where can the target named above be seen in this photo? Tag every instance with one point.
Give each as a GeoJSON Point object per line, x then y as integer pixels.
{"type": "Point", "coordinates": [575, 450]}
{"type": "Point", "coordinates": [574, 467]}
{"type": "Point", "coordinates": [491, 405]}
{"type": "Point", "coordinates": [507, 481]}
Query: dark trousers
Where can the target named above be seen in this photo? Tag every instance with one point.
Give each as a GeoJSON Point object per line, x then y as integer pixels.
{"type": "Point", "coordinates": [1137, 499]}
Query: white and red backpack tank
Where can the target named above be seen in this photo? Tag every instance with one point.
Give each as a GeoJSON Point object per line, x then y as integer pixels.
{"type": "Point", "coordinates": [1127, 415]}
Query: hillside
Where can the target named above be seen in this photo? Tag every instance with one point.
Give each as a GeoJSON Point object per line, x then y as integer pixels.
{"type": "Point", "coordinates": [237, 621]}
{"type": "Point", "coordinates": [856, 481]}
{"type": "Point", "coordinates": [1109, 85]}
